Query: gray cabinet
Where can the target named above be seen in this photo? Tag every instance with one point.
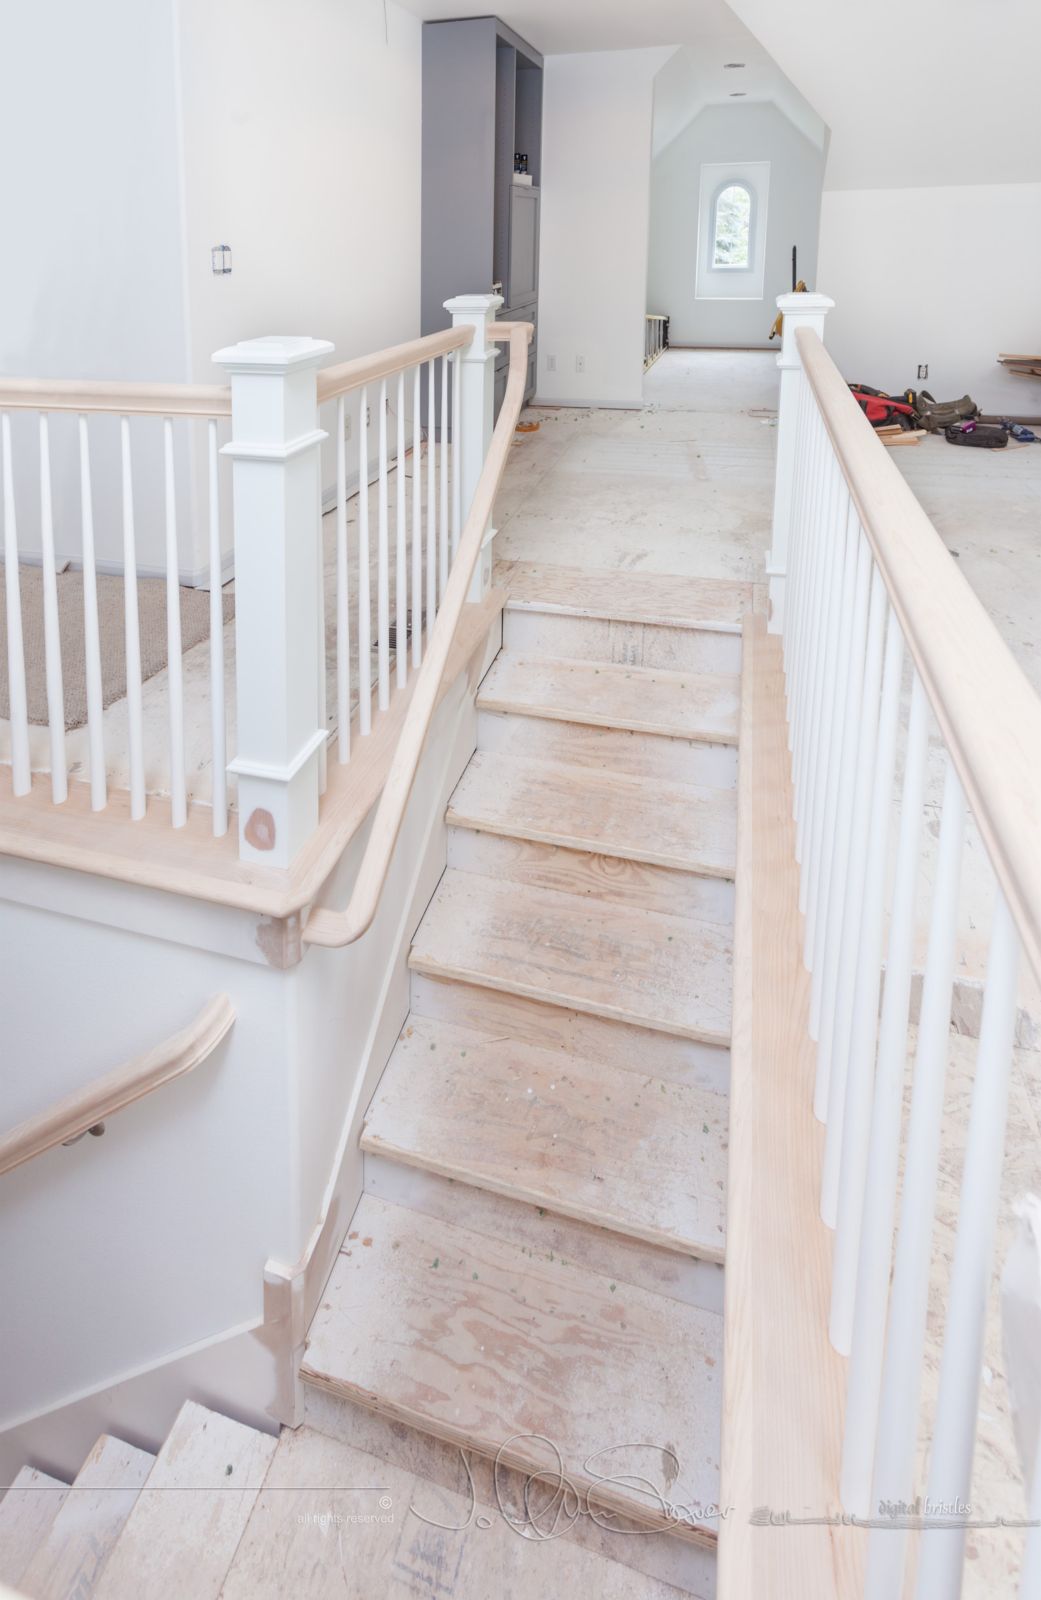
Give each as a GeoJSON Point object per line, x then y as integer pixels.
{"type": "Point", "coordinates": [482, 104]}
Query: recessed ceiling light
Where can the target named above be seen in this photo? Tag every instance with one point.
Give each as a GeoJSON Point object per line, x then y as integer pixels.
{"type": "Point", "coordinates": [737, 94]}
{"type": "Point", "coordinates": [731, 66]}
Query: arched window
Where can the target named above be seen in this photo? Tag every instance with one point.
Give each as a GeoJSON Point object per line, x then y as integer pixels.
{"type": "Point", "coordinates": [732, 227]}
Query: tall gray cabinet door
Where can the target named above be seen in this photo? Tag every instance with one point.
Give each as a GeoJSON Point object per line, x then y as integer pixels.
{"type": "Point", "coordinates": [524, 245]}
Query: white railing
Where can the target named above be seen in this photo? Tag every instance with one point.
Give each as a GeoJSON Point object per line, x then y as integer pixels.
{"type": "Point", "coordinates": [100, 476]}
{"type": "Point", "coordinates": [884, 641]}
{"type": "Point", "coordinates": [655, 337]}
{"type": "Point", "coordinates": [331, 614]}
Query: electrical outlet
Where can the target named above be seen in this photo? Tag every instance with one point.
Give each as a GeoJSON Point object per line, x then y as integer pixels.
{"type": "Point", "coordinates": [551, 363]}
{"type": "Point", "coordinates": [923, 369]}
{"type": "Point", "coordinates": [580, 363]}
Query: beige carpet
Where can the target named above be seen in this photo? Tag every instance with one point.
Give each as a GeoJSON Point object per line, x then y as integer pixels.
{"type": "Point", "coordinates": [151, 606]}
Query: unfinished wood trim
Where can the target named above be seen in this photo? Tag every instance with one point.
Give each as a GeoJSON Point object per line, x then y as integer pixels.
{"type": "Point", "coordinates": [76, 1112]}
{"type": "Point", "coordinates": [347, 375]}
{"type": "Point", "coordinates": [190, 861]}
{"type": "Point", "coordinates": [988, 714]}
{"type": "Point", "coordinates": [332, 928]}
{"type": "Point", "coordinates": [783, 1384]}
{"type": "Point", "coordinates": [124, 399]}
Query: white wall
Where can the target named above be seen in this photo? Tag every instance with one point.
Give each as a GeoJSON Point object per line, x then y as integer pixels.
{"type": "Point", "coordinates": [737, 134]}
{"type": "Point", "coordinates": [596, 141]}
{"type": "Point", "coordinates": [948, 276]}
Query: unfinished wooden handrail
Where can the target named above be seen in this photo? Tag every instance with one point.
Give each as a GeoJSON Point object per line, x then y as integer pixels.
{"type": "Point", "coordinates": [132, 1080]}
{"type": "Point", "coordinates": [338, 928]}
{"type": "Point", "coordinates": [121, 399]}
{"type": "Point", "coordinates": [987, 711]}
{"type": "Point", "coordinates": [347, 375]}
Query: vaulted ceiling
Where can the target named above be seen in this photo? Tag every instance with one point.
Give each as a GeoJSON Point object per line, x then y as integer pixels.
{"type": "Point", "coordinates": [934, 92]}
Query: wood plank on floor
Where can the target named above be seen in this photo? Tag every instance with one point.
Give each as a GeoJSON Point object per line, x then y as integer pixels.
{"type": "Point", "coordinates": [689, 828]}
{"type": "Point", "coordinates": [784, 1384]}
{"type": "Point", "coordinates": [622, 1150]}
{"type": "Point", "coordinates": [476, 1341]}
{"type": "Point", "coordinates": [677, 705]}
{"type": "Point", "coordinates": [27, 1511]}
{"type": "Point", "coordinates": [643, 967]}
{"type": "Point", "coordinates": [665, 599]}
{"type": "Point", "coordinates": [189, 1517]}
{"type": "Point", "coordinates": [70, 1560]}
{"type": "Point", "coordinates": [333, 1521]}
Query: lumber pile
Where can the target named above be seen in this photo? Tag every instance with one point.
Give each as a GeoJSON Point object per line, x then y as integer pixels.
{"type": "Point", "coordinates": [1025, 366]}
{"type": "Point", "coordinates": [891, 434]}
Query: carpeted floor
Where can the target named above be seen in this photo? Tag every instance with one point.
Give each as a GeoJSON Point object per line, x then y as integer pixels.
{"type": "Point", "coordinates": [151, 607]}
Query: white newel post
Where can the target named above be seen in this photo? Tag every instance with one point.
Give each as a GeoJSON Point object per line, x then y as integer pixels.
{"type": "Point", "coordinates": [799, 311]}
{"type": "Point", "coordinates": [476, 411]}
{"type": "Point", "coordinates": [275, 447]}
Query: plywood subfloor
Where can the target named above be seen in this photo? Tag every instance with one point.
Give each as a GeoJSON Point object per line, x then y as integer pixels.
{"type": "Point", "coordinates": [691, 828]}
{"type": "Point", "coordinates": [621, 1149]}
{"type": "Point", "coordinates": [643, 967]}
{"type": "Point", "coordinates": [625, 596]}
{"type": "Point", "coordinates": [70, 1560]}
{"type": "Point", "coordinates": [486, 1346]}
{"type": "Point", "coordinates": [680, 705]}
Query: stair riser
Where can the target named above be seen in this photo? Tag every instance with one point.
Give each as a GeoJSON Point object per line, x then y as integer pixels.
{"type": "Point", "coordinates": [605, 877]}
{"type": "Point", "coordinates": [633, 644]}
{"type": "Point", "coordinates": [642, 1050]}
{"type": "Point", "coordinates": [635, 1261]}
{"type": "Point", "coordinates": [687, 1567]}
{"type": "Point", "coordinates": [610, 749]}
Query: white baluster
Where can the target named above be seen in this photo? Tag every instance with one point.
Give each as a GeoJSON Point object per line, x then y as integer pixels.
{"type": "Point", "coordinates": [837, 652]}
{"type": "Point", "coordinates": [383, 564]}
{"type": "Point", "coordinates": [457, 437]}
{"type": "Point", "coordinates": [834, 1039]}
{"type": "Point", "coordinates": [132, 631]}
{"type": "Point", "coordinates": [832, 549]}
{"type": "Point", "coordinates": [21, 773]}
{"type": "Point", "coordinates": [51, 625]}
{"type": "Point", "coordinates": [810, 543]}
{"type": "Point", "coordinates": [364, 602]}
{"type": "Point", "coordinates": [880, 1185]}
{"type": "Point", "coordinates": [343, 593]}
{"type": "Point", "coordinates": [417, 519]}
{"type": "Point", "coordinates": [218, 726]}
{"type": "Point", "coordinates": [799, 311]}
{"type": "Point", "coordinates": [1030, 1572]}
{"type": "Point", "coordinates": [175, 668]}
{"type": "Point", "coordinates": [91, 637]}
{"type": "Point", "coordinates": [796, 529]}
{"type": "Point", "coordinates": [321, 664]}
{"type": "Point", "coordinates": [431, 501]}
{"type": "Point", "coordinates": [942, 1553]}
{"type": "Point", "coordinates": [804, 687]}
{"type": "Point", "coordinates": [401, 562]}
{"type": "Point", "coordinates": [442, 455]}
{"type": "Point", "coordinates": [905, 1341]}
{"type": "Point", "coordinates": [856, 1116]}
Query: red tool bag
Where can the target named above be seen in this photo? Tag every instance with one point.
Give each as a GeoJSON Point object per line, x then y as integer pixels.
{"type": "Point", "coordinates": [883, 410]}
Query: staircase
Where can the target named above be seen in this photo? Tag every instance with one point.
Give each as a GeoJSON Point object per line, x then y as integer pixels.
{"type": "Point", "coordinates": [534, 1272]}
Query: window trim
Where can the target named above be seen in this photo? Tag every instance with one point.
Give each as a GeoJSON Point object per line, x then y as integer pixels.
{"type": "Point", "coordinates": [753, 207]}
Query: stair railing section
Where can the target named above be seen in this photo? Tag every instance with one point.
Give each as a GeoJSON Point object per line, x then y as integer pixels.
{"type": "Point", "coordinates": [117, 482]}
{"type": "Point", "coordinates": [468, 577]}
{"type": "Point", "coordinates": [884, 642]}
{"type": "Point", "coordinates": [86, 1109]}
{"type": "Point", "coordinates": [656, 337]}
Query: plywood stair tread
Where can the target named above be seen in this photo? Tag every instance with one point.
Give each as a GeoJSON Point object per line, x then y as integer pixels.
{"type": "Point", "coordinates": [70, 1560]}
{"type": "Point", "coordinates": [684, 826]}
{"type": "Point", "coordinates": [487, 1345]}
{"type": "Point", "coordinates": [333, 1522]}
{"type": "Point", "coordinates": [645, 967]}
{"type": "Point", "coordinates": [27, 1511]}
{"type": "Point", "coordinates": [649, 597]}
{"type": "Point", "coordinates": [182, 1543]}
{"type": "Point", "coordinates": [621, 1149]}
{"type": "Point", "coordinates": [679, 705]}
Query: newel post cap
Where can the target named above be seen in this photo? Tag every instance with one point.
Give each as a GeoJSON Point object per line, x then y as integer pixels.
{"type": "Point", "coordinates": [809, 304]}
{"type": "Point", "coordinates": [273, 353]}
{"type": "Point", "coordinates": [471, 305]}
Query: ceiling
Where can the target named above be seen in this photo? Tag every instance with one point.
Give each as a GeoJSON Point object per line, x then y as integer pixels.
{"type": "Point", "coordinates": [558, 26]}
{"type": "Point", "coordinates": [696, 76]}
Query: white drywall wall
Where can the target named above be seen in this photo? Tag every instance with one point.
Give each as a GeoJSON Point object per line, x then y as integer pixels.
{"type": "Point", "coordinates": [596, 141]}
{"type": "Point", "coordinates": [739, 135]}
{"type": "Point", "coordinates": [947, 276]}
